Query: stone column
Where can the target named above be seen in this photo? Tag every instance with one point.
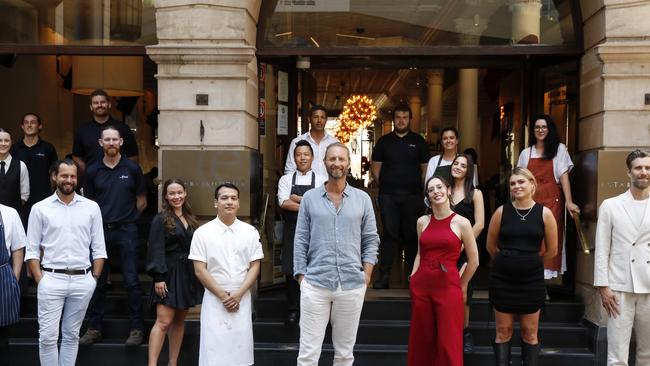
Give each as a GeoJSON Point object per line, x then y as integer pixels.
{"type": "Point", "coordinates": [526, 21]}
{"type": "Point", "coordinates": [415, 103]}
{"type": "Point", "coordinates": [469, 127]}
{"type": "Point", "coordinates": [435, 89]}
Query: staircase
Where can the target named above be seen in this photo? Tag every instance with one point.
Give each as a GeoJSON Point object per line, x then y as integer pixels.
{"type": "Point", "coordinates": [382, 337]}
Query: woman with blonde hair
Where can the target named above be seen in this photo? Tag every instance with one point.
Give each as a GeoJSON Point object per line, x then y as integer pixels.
{"type": "Point", "coordinates": [514, 241]}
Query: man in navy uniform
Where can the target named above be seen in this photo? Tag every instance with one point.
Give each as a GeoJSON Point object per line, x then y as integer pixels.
{"type": "Point", "coordinates": [117, 185]}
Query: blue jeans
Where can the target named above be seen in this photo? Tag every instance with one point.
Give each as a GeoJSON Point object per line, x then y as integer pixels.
{"type": "Point", "coordinates": [121, 242]}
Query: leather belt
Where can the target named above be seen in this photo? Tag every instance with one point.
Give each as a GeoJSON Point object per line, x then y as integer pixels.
{"type": "Point", "coordinates": [69, 272]}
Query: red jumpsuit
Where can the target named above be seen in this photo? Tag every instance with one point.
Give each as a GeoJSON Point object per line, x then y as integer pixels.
{"type": "Point", "coordinates": [437, 312]}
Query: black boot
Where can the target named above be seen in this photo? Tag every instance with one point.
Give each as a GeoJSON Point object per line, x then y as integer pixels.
{"type": "Point", "coordinates": [501, 353]}
{"type": "Point", "coordinates": [468, 341]}
{"type": "Point", "coordinates": [529, 354]}
{"type": "Point", "coordinates": [381, 282]}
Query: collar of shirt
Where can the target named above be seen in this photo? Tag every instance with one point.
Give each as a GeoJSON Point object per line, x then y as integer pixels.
{"type": "Point", "coordinates": [120, 163]}
{"type": "Point", "coordinates": [55, 197]}
{"type": "Point", "coordinates": [7, 161]}
{"type": "Point", "coordinates": [346, 191]}
{"type": "Point", "coordinates": [326, 136]}
{"type": "Point", "coordinates": [223, 228]}
{"type": "Point", "coordinates": [305, 173]}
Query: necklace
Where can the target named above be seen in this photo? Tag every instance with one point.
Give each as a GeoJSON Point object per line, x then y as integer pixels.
{"type": "Point", "coordinates": [522, 217]}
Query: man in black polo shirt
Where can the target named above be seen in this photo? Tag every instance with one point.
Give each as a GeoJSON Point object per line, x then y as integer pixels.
{"type": "Point", "coordinates": [117, 185]}
{"type": "Point", "coordinates": [399, 162]}
{"type": "Point", "coordinates": [14, 177]}
{"type": "Point", "coordinates": [38, 155]}
{"type": "Point", "coordinates": [85, 149]}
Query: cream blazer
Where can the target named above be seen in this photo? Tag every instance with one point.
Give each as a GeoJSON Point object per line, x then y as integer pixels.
{"type": "Point", "coordinates": [622, 259]}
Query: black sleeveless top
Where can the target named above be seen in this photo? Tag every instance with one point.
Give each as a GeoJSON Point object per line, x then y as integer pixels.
{"type": "Point", "coordinates": [519, 234]}
{"type": "Point", "coordinates": [466, 210]}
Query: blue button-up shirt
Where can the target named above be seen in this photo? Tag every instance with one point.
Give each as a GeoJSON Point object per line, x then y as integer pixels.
{"type": "Point", "coordinates": [332, 244]}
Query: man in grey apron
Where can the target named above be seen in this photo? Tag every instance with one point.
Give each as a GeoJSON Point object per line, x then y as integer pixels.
{"type": "Point", "coordinates": [291, 188]}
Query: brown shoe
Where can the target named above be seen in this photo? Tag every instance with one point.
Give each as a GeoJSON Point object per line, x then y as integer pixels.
{"type": "Point", "coordinates": [135, 338]}
{"type": "Point", "coordinates": [91, 337]}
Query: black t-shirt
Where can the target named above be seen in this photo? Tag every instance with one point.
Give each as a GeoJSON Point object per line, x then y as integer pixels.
{"type": "Point", "coordinates": [38, 159]}
{"type": "Point", "coordinates": [401, 159]}
{"type": "Point", "coordinates": [115, 189]}
{"type": "Point", "coordinates": [86, 145]}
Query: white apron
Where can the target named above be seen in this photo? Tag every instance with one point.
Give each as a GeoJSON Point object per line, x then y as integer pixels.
{"type": "Point", "coordinates": [226, 338]}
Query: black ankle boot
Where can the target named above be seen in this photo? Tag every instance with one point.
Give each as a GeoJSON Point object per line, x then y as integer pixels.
{"type": "Point", "coordinates": [529, 354]}
{"type": "Point", "coordinates": [383, 277]}
{"type": "Point", "coordinates": [501, 353]}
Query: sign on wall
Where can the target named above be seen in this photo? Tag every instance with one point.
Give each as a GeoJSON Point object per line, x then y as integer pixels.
{"type": "Point", "coordinates": [309, 6]}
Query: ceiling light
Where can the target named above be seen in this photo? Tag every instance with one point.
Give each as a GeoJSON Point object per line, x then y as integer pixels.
{"type": "Point", "coordinates": [314, 41]}
{"type": "Point", "coordinates": [353, 36]}
{"type": "Point", "coordinates": [284, 34]}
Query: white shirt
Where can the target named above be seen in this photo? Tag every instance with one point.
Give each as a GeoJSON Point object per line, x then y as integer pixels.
{"type": "Point", "coordinates": [284, 185]}
{"type": "Point", "coordinates": [433, 163]}
{"type": "Point", "coordinates": [68, 234]}
{"type": "Point", "coordinates": [14, 233]}
{"type": "Point", "coordinates": [227, 250]}
{"type": "Point", "coordinates": [319, 153]}
{"type": "Point", "coordinates": [561, 162]}
{"type": "Point", "coordinates": [24, 178]}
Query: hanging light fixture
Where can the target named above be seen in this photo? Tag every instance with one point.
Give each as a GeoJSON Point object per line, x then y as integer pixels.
{"type": "Point", "coordinates": [119, 76]}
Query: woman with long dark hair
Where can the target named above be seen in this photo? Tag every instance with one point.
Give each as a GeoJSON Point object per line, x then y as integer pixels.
{"type": "Point", "coordinates": [437, 289]}
{"type": "Point", "coordinates": [514, 241]}
{"type": "Point", "coordinates": [175, 287]}
{"type": "Point", "coordinates": [467, 201]}
{"type": "Point", "coordinates": [549, 161]}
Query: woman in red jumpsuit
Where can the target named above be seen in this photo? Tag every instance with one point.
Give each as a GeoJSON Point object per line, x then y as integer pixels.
{"type": "Point", "coordinates": [437, 289]}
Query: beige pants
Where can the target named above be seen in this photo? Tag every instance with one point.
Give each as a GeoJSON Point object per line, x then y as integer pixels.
{"type": "Point", "coordinates": [635, 313]}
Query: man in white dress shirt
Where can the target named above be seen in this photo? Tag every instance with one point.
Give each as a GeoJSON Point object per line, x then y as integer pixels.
{"type": "Point", "coordinates": [622, 264]}
{"type": "Point", "coordinates": [14, 177]}
{"type": "Point", "coordinates": [317, 138]}
{"type": "Point", "coordinates": [67, 229]}
{"type": "Point", "coordinates": [226, 254]}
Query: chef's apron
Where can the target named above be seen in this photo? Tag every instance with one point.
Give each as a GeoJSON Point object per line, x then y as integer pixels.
{"type": "Point", "coordinates": [289, 229]}
{"type": "Point", "coordinates": [443, 171]}
{"type": "Point", "coordinates": [9, 289]}
{"type": "Point", "coordinates": [549, 194]}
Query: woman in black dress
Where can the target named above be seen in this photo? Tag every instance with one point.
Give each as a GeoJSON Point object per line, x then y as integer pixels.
{"type": "Point", "coordinates": [514, 241]}
{"type": "Point", "coordinates": [466, 201]}
{"type": "Point", "coordinates": [175, 287]}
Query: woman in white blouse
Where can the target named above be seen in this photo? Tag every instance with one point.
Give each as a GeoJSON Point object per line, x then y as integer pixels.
{"type": "Point", "coordinates": [548, 159]}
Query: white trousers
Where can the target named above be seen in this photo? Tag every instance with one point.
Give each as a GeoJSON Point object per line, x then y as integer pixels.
{"type": "Point", "coordinates": [319, 306]}
{"type": "Point", "coordinates": [635, 313]}
{"type": "Point", "coordinates": [70, 295]}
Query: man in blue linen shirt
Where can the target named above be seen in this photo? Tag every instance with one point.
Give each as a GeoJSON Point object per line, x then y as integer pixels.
{"type": "Point", "coordinates": [335, 250]}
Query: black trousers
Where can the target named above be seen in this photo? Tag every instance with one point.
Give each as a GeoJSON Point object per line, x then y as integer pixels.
{"type": "Point", "coordinates": [4, 345]}
{"type": "Point", "coordinates": [293, 294]}
{"type": "Point", "coordinates": [399, 216]}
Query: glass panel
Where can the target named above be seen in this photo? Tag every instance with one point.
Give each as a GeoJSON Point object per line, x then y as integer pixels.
{"type": "Point", "coordinates": [77, 22]}
{"type": "Point", "coordinates": [417, 23]}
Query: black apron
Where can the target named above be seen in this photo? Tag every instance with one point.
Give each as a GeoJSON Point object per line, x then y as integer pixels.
{"type": "Point", "coordinates": [443, 171]}
{"type": "Point", "coordinates": [9, 289]}
{"type": "Point", "coordinates": [289, 229]}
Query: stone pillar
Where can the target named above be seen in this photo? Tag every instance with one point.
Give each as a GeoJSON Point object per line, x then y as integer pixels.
{"type": "Point", "coordinates": [526, 21]}
{"type": "Point", "coordinates": [191, 62]}
{"type": "Point", "coordinates": [415, 103]}
{"type": "Point", "coordinates": [469, 127]}
{"type": "Point", "coordinates": [435, 89]}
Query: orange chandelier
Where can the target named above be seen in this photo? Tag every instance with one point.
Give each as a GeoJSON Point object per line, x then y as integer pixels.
{"type": "Point", "coordinates": [358, 113]}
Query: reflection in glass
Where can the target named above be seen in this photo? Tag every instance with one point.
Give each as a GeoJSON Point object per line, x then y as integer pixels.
{"type": "Point", "coordinates": [77, 22]}
{"type": "Point", "coordinates": [417, 23]}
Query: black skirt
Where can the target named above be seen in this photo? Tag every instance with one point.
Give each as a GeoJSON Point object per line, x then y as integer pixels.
{"type": "Point", "coordinates": [183, 288]}
{"type": "Point", "coordinates": [517, 283]}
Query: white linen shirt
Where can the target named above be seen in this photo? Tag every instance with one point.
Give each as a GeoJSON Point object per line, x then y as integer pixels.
{"type": "Point", "coordinates": [68, 234]}
{"type": "Point", "coordinates": [284, 185]}
{"type": "Point", "coordinates": [14, 233]}
{"type": "Point", "coordinates": [319, 153]}
{"type": "Point", "coordinates": [24, 178]}
{"type": "Point", "coordinates": [227, 250]}
{"type": "Point", "coordinates": [561, 162]}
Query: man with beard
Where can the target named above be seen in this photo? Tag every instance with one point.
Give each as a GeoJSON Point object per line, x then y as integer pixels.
{"type": "Point", "coordinates": [85, 150]}
{"type": "Point", "coordinates": [64, 231]}
{"type": "Point", "coordinates": [399, 162]}
{"type": "Point", "coordinates": [335, 250]}
{"type": "Point", "coordinates": [622, 264]}
{"type": "Point", "coordinates": [317, 138]}
{"type": "Point", "coordinates": [14, 176]}
{"type": "Point", "coordinates": [38, 155]}
{"type": "Point", "coordinates": [117, 185]}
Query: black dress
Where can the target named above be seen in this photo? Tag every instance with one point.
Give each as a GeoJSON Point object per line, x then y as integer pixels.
{"type": "Point", "coordinates": [517, 274]}
{"type": "Point", "coordinates": [167, 261]}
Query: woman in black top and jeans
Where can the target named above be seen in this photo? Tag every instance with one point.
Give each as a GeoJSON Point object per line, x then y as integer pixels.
{"type": "Point", "coordinates": [467, 201]}
{"type": "Point", "coordinates": [175, 287]}
{"type": "Point", "coordinates": [514, 241]}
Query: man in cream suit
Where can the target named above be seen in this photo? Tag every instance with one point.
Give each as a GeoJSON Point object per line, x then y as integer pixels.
{"type": "Point", "coordinates": [622, 267]}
